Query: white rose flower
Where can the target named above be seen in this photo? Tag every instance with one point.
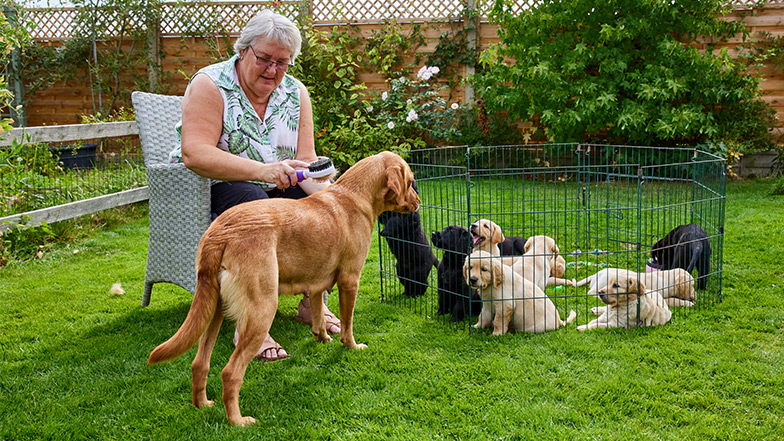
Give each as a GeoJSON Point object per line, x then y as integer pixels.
{"type": "Point", "coordinates": [390, 125]}
{"type": "Point", "coordinates": [455, 106]}
{"type": "Point", "coordinates": [384, 96]}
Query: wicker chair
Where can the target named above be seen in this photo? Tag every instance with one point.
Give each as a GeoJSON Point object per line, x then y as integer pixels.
{"type": "Point", "coordinates": [179, 199]}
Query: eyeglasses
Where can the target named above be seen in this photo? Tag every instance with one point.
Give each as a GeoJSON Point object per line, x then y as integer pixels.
{"type": "Point", "coordinates": [265, 63]}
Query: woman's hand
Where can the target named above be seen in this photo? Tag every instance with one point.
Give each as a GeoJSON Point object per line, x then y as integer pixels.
{"type": "Point", "coordinates": [283, 174]}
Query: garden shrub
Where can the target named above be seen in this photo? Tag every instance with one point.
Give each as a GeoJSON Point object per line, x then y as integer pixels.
{"type": "Point", "coordinates": [626, 72]}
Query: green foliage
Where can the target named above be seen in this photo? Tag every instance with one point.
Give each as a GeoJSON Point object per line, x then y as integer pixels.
{"type": "Point", "coordinates": [23, 241]}
{"type": "Point", "coordinates": [778, 187]}
{"type": "Point", "coordinates": [13, 35]}
{"type": "Point", "coordinates": [346, 127]}
{"type": "Point", "coordinates": [625, 71]}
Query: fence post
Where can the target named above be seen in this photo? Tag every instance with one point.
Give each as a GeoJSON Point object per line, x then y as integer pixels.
{"type": "Point", "coordinates": [471, 26]}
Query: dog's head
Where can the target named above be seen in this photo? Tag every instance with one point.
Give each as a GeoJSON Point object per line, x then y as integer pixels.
{"type": "Point", "coordinates": [400, 192]}
{"type": "Point", "coordinates": [545, 246]}
{"type": "Point", "coordinates": [485, 232]}
{"type": "Point", "coordinates": [452, 238]}
{"type": "Point", "coordinates": [559, 267]}
{"type": "Point", "coordinates": [620, 287]}
{"type": "Point", "coordinates": [481, 270]}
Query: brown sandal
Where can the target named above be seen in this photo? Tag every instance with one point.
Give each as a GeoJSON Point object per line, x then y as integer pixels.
{"type": "Point", "coordinates": [303, 316]}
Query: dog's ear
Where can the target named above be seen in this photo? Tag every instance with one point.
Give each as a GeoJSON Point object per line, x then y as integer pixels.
{"type": "Point", "coordinates": [467, 271]}
{"type": "Point", "coordinates": [435, 237]}
{"type": "Point", "coordinates": [396, 185]}
{"type": "Point", "coordinates": [635, 286]}
{"type": "Point", "coordinates": [498, 273]}
{"type": "Point", "coordinates": [528, 244]}
{"type": "Point", "coordinates": [498, 235]}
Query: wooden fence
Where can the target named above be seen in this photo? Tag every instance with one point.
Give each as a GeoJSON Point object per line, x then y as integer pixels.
{"type": "Point", "coordinates": [67, 133]}
{"type": "Point", "coordinates": [184, 53]}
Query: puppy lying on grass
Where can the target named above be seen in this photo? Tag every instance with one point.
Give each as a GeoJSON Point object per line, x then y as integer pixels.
{"type": "Point", "coordinates": [624, 295]}
{"type": "Point", "coordinates": [676, 286]}
{"type": "Point", "coordinates": [508, 298]}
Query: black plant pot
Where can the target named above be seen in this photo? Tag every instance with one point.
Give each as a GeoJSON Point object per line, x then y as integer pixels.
{"type": "Point", "coordinates": [75, 156]}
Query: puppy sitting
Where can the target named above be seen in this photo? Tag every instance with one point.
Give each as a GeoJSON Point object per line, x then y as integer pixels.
{"type": "Point", "coordinates": [676, 286]}
{"type": "Point", "coordinates": [487, 236]}
{"type": "Point", "coordinates": [509, 298]}
{"type": "Point", "coordinates": [541, 262]}
{"type": "Point", "coordinates": [407, 242]}
{"type": "Point", "coordinates": [454, 295]}
{"type": "Point", "coordinates": [624, 295]}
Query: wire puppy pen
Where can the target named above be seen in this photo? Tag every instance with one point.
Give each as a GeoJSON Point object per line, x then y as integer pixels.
{"type": "Point", "coordinates": [605, 206]}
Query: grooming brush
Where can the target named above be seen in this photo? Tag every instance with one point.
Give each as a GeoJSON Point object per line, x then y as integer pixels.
{"type": "Point", "coordinates": [320, 169]}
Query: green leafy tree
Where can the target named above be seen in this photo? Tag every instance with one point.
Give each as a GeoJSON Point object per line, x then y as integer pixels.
{"type": "Point", "coordinates": [625, 71]}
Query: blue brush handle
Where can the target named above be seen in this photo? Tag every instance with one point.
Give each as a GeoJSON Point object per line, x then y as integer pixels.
{"type": "Point", "coordinates": [300, 176]}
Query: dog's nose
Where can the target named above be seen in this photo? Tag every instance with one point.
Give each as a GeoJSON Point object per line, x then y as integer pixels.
{"type": "Point", "coordinates": [603, 297]}
{"type": "Point", "coordinates": [473, 281]}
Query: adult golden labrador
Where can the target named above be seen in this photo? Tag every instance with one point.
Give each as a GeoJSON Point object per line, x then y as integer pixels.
{"type": "Point", "coordinates": [629, 305]}
{"type": "Point", "coordinates": [258, 250]}
{"type": "Point", "coordinates": [508, 297]}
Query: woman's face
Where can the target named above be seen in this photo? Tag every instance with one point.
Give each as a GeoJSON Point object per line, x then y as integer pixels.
{"type": "Point", "coordinates": [262, 68]}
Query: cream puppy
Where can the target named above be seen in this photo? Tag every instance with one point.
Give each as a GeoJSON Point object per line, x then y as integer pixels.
{"type": "Point", "coordinates": [508, 298]}
{"type": "Point", "coordinates": [676, 286]}
{"type": "Point", "coordinates": [624, 296]}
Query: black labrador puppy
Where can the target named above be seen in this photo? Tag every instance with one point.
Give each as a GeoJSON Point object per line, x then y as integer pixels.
{"type": "Point", "coordinates": [407, 242]}
{"type": "Point", "coordinates": [455, 297]}
{"type": "Point", "coordinates": [687, 247]}
{"type": "Point", "coordinates": [512, 246]}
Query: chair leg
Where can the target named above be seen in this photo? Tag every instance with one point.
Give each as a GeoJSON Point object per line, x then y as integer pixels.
{"type": "Point", "coordinates": [147, 293]}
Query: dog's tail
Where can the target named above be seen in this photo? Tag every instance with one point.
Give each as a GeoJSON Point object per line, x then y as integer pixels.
{"type": "Point", "coordinates": [572, 316]}
{"type": "Point", "coordinates": [205, 303]}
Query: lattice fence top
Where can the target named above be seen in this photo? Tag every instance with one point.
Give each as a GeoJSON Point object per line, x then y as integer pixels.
{"type": "Point", "coordinates": [228, 18]}
{"type": "Point", "coordinates": [198, 18]}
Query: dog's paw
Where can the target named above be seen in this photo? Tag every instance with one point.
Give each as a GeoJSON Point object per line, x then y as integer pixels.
{"type": "Point", "coordinates": [360, 346]}
{"type": "Point", "coordinates": [325, 338]}
{"type": "Point", "coordinates": [582, 328]}
{"type": "Point", "coordinates": [244, 421]}
{"type": "Point", "coordinates": [597, 310]}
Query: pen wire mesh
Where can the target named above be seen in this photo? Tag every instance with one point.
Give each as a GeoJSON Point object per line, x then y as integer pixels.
{"type": "Point", "coordinates": [604, 205]}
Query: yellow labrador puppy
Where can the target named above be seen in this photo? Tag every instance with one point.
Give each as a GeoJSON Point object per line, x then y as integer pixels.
{"type": "Point", "coordinates": [508, 298]}
{"type": "Point", "coordinates": [258, 250]}
{"type": "Point", "coordinates": [536, 265]}
{"type": "Point", "coordinates": [676, 286]}
{"type": "Point", "coordinates": [487, 235]}
{"type": "Point", "coordinates": [624, 295]}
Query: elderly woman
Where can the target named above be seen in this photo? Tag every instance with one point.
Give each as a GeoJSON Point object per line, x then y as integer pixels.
{"type": "Point", "coordinates": [248, 126]}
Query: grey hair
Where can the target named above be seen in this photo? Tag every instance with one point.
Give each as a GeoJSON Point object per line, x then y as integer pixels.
{"type": "Point", "coordinates": [271, 27]}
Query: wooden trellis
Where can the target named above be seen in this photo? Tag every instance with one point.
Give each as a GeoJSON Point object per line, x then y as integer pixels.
{"type": "Point", "coordinates": [196, 18]}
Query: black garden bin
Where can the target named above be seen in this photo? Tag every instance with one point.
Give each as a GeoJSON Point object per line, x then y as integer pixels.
{"type": "Point", "coordinates": [75, 156]}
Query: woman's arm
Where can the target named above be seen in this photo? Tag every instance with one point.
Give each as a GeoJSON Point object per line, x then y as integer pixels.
{"type": "Point", "coordinates": [306, 145]}
{"type": "Point", "coordinates": [202, 122]}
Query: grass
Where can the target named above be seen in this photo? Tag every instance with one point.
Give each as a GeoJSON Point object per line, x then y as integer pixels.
{"type": "Point", "coordinates": [72, 360]}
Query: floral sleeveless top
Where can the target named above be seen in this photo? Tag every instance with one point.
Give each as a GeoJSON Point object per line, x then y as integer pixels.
{"type": "Point", "coordinates": [268, 140]}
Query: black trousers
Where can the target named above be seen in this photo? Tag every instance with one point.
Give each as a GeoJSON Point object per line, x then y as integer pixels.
{"type": "Point", "coordinates": [228, 194]}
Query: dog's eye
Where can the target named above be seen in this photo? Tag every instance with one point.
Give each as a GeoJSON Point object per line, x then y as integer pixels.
{"type": "Point", "coordinates": [615, 285]}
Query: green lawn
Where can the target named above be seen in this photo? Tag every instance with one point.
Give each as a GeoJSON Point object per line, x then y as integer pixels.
{"type": "Point", "coordinates": [72, 360]}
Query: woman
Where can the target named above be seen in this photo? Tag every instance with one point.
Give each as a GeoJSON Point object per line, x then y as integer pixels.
{"type": "Point", "coordinates": [249, 126]}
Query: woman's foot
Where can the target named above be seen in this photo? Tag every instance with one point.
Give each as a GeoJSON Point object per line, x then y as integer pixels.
{"type": "Point", "coordinates": [270, 350]}
{"type": "Point", "coordinates": [303, 315]}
